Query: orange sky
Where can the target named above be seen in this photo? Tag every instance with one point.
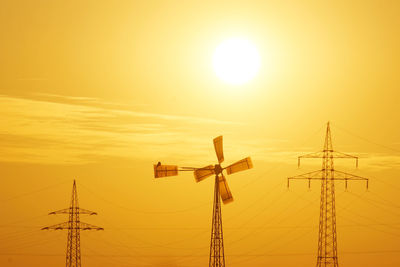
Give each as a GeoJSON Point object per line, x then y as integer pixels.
{"type": "Point", "coordinates": [100, 90]}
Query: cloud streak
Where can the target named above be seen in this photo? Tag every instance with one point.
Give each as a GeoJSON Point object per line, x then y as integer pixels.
{"type": "Point", "coordinates": [72, 130]}
{"type": "Point", "coordinates": [77, 130]}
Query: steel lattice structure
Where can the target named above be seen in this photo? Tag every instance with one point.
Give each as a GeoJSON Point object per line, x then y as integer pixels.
{"type": "Point", "coordinates": [217, 256]}
{"type": "Point", "coordinates": [74, 226]}
{"type": "Point", "coordinates": [221, 191]}
{"type": "Point", "coordinates": [327, 237]}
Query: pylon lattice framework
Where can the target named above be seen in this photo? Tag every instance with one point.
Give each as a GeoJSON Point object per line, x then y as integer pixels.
{"type": "Point", "coordinates": [74, 226]}
{"type": "Point", "coordinates": [327, 237]}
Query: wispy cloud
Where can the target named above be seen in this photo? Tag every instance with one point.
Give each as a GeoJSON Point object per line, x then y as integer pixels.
{"type": "Point", "coordinates": [55, 129]}
{"type": "Point", "coordinates": [73, 131]}
{"type": "Point", "coordinates": [382, 161]}
{"type": "Point", "coordinates": [120, 109]}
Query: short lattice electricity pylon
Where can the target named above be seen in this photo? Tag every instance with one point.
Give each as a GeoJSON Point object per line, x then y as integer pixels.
{"type": "Point", "coordinates": [221, 189]}
{"type": "Point", "coordinates": [327, 241]}
{"type": "Point", "coordinates": [74, 226]}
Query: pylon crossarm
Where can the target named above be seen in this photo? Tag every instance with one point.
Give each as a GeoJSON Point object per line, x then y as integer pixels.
{"type": "Point", "coordinates": [319, 154]}
{"type": "Point", "coordinates": [348, 176]}
{"type": "Point", "coordinates": [70, 210]}
{"type": "Point", "coordinates": [340, 155]}
{"type": "Point", "coordinates": [315, 175]}
{"type": "Point", "coordinates": [66, 226]}
{"type": "Point", "coordinates": [83, 211]}
{"type": "Point", "coordinates": [314, 155]}
{"type": "Point", "coordinates": [339, 175]}
{"type": "Point", "coordinates": [332, 154]}
{"type": "Point", "coordinates": [318, 175]}
{"type": "Point", "coordinates": [85, 226]}
{"type": "Point", "coordinates": [309, 175]}
{"type": "Point", "coordinates": [63, 211]}
{"type": "Point", "coordinates": [60, 226]}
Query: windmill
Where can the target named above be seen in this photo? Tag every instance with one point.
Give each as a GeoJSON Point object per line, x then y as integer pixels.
{"type": "Point", "coordinates": [221, 190]}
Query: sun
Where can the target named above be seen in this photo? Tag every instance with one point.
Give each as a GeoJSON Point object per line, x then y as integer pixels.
{"type": "Point", "coordinates": [236, 61]}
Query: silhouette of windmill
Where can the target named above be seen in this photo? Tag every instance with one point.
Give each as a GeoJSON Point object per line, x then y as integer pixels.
{"type": "Point", "coordinates": [221, 189]}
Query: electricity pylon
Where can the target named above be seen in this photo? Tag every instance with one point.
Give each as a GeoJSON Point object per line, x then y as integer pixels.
{"type": "Point", "coordinates": [74, 226]}
{"type": "Point", "coordinates": [327, 238]}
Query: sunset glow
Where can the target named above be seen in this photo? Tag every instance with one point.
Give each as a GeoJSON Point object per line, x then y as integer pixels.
{"type": "Point", "coordinates": [219, 94]}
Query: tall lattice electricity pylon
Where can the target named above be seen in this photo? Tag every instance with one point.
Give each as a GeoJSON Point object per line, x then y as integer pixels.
{"type": "Point", "coordinates": [327, 239]}
{"type": "Point", "coordinates": [74, 226]}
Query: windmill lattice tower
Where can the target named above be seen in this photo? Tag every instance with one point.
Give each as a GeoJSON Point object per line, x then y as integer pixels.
{"type": "Point", "coordinates": [221, 190]}
{"type": "Point", "coordinates": [74, 226]}
{"type": "Point", "coordinates": [327, 237]}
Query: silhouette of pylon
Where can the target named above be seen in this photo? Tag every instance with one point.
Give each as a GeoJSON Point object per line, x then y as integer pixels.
{"type": "Point", "coordinates": [217, 256]}
{"type": "Point", "coordinates": [74, 226]}
{"type": "Point", "coordinates": [327, 237]}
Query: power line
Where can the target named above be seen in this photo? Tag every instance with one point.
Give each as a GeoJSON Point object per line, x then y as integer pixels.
{"type": "Point", "coordinates": [195, 256]}
{"type": "Point", "coordinates": [367, 140]}
{"type": "Point", "coordinates": [32, 192]}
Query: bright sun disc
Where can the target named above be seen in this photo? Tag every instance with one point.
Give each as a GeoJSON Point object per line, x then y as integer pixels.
{"type": "Point", "coordinates": [236, 61]}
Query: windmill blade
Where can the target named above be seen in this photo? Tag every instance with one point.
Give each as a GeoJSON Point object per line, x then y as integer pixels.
{"type": "Point", "coordinates": [218, 148]}
{"type": "Point", "coordinates": [165, 170]}
{"type": "Point", "coordinates": [224, 191]}
{"type": "Point", "coordinates": [202, 173]}
{"type": "Point", "coordinates": [241, 165]}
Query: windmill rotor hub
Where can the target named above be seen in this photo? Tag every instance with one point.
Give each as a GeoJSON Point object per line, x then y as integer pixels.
{"type": "Point", "coordinates": [217, 169]}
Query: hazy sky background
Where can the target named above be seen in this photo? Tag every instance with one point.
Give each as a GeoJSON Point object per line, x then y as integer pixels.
{"type": "Point", "coordinates": [98, 91]}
